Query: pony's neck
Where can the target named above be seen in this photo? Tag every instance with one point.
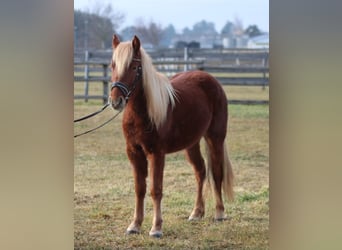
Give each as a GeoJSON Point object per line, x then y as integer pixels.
{"type": "Point", "coordinates": [137, 106]}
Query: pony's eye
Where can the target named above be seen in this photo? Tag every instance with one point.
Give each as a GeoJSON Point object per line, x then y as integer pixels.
{"type": "Point", "coordinates": [134, 68]}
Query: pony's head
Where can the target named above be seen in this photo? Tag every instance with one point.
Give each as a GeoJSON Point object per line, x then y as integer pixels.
{"type": "Point", "coordinates": [132, 69]}
{"type": "Point", "coordinates": [126, 71]}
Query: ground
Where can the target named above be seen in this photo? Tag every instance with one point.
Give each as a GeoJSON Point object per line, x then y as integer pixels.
{"type": "Point", "coordinates": [104, 191]}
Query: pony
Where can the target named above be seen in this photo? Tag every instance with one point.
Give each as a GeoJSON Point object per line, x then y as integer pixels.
{"type": "Point", "coordinates": [163, 116]}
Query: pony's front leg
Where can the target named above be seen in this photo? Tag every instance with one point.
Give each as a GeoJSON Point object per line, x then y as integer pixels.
{"type": "Point", "coordinates": [157, 162]}
{"type": "Point", "coordinates": [139, 164]}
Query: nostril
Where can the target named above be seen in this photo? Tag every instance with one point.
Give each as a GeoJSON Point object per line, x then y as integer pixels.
{"type": "Point", "coordinates": [119, 103]}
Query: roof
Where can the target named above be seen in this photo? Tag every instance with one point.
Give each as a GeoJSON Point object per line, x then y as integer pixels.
{"type": "Point", "coordinates": [259, 41]}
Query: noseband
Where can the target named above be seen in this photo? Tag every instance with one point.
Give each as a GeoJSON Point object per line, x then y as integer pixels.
{"type": "Point", "coordinates": [124, 88]}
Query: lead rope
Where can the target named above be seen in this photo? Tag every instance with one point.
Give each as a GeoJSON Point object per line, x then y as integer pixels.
{"type": "Point", "coordinates": [91, 130]}
{"type": "Point", "coordinates": [95, 113]}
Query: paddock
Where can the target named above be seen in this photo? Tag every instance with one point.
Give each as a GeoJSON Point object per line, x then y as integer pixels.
{"type": "Point", "coordinates": [104, 189]}
{"type": "Point", "coordinates": [103, 181]}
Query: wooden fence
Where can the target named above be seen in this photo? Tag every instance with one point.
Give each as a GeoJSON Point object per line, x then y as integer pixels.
{"type": "Point", "coordinates": [239, 67]}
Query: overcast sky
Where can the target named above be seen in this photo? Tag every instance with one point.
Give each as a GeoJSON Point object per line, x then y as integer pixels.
{"type": "Point", "coordinates": [185, 13]}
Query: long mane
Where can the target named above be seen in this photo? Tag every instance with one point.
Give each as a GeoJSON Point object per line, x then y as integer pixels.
{"type": "Point", "coordinates": [158, 90]}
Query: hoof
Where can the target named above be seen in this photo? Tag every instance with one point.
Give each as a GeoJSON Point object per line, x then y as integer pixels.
{"type": "Point", "coordinates": [132, 230]}
{"type": "Point", "coordinates": [194, 218]}
{"type": "Point", "coordinates": [196, 215]}
{"type": "Point", "coordinates": [222, 217]}
{"type": "Point", "coordinates": [156, 234]}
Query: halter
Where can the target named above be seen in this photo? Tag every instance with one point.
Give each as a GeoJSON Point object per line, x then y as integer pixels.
{"type": "Point", "coordinates": [124, 88]}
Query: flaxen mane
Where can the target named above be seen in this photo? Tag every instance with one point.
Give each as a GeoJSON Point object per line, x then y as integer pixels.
{"type": "Point", "coordinates": [157, 87]}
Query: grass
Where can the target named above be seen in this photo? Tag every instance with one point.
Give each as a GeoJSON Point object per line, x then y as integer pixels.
{"type": "Point", "coordinates": [104, 190]}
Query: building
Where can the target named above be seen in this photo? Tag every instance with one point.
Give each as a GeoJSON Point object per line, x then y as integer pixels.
{"type": "Point", "coordinates": [259, 42]}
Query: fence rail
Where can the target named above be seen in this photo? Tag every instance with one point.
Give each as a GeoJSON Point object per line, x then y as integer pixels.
{"type": "Point", "coordinates": [230, 67]}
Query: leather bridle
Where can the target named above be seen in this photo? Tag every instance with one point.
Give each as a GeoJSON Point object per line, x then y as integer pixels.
{"type": "Point", "coordinates": [125, 89]}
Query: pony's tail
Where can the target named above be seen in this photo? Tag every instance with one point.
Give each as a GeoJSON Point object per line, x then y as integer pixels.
{"type": "Point", "coordinates": [227, 171]}
{"type": "Point", "coordinates": [228, 176]}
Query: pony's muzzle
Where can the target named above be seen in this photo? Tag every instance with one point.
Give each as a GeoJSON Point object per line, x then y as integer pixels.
{"type": "Point", "coordinates": [118, 104]}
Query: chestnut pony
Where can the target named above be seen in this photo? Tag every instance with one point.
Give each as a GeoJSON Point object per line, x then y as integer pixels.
{"type": "Point", "coordinates": [163, 116]}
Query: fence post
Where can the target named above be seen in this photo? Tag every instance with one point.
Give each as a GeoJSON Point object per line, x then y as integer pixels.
{"type": "Point", "coordinates": [237, 59]}
{"type": "Point", "coordinates": [105, 83]}
{"type": "Point", "coordinates": [264, 62]}
{"type": "Point", "coordinates": [86, 76]}
{"type": "Point", "coordinates": [186, 58]}
{"type": "Point", "coordinates": [264, 85]}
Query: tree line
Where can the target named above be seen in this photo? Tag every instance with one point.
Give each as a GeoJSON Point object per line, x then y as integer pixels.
{"type": "Point", "coordinates": [94, 29]}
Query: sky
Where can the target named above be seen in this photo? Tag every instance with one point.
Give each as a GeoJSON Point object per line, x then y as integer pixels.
{"type": "Point", "coordinates": [185, 13]}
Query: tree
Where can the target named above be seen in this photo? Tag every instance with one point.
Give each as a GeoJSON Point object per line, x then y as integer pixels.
{"type": "Point", "coordinates": [91, 30]}
{"type": "Point", "coordinates": [168, 34]}
{"type": "Point", "coordinates": [102, 31]}
{"type": "Point", "coordinates": [252, 31]}
{"type": "Point", "coordinates": [238, 27]}
{"type": "Point", "coordinates": [204, 28]}
{"type": "Point", "coordinates": [128, 33]}
{"type": "Point", "coordinates": [107, 11]}
{"type": "Point", "coordinates": [187, 32]}
{"type": "Point", "coordinates": [149, 33]}
{"type": "Point", "coordinates": [228, 29]}
{"type": "Point", "coordinates": [94, 28]}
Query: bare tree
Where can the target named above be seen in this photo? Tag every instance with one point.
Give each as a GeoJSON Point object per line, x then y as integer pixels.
{"type": "Point", "coordinates": [108, 11]}
{"type": "Point", "coordinates": [150, 33]}
{"type": "Point", "coordinates": [238, 27]}
{"type": "Point", "coordinates": [102, 21]}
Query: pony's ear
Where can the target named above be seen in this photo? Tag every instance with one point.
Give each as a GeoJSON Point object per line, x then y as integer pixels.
{"type": "Point", "coordinates": [136, 45]}
{"type": "Point", "coordinates": [115, 41]}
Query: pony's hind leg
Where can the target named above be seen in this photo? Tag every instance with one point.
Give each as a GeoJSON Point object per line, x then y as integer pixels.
{"type": "Point", "coordinates": [215, 155]}
{"type": "Point", "coordinates": [194, 156]}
